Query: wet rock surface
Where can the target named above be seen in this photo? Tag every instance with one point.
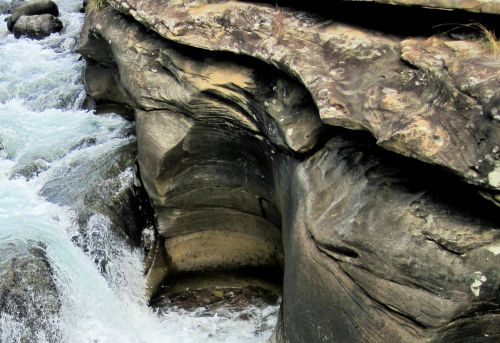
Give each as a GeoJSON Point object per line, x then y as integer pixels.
{"type": "Point", "coordinates": [29, 299]}
{"type": "Point", "coordinates": [37, 26]}
{"type": "Point", "coordinates": [31, 8]}
{"type": "Point", "coordinates": [15, 4]}
{"type": "Point", "coordinates": [217, 300]}
{"type": "Point", "coordinates": [241, 304]}
{"type": "Point", "coordinates": [107, 214]}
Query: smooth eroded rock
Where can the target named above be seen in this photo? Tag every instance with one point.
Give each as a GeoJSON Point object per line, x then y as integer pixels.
{"type": "Point", "coordinates": [166, 76]}
{"type": "Point", "coordinates": [243, 173]}
{"type": "Point", "coordinates": [203, 124]}
{"type": "Point", "coordinates": [385, 250]}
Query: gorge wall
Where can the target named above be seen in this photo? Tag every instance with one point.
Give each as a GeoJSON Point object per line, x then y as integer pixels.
{"type": "Point", "coordinates": [359, 165]}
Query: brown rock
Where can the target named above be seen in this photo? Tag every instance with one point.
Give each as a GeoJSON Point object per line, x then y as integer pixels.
{"type": "Point", "coordinates": [202, 125]}
{"type": "Point", "coordinates": [356, 77]}
{"type": "Point", "coordinates": [377, 247]}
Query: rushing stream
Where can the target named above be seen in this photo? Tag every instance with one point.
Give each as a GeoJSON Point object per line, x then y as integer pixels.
{"type": "Point", "coordinates": [55, 159]}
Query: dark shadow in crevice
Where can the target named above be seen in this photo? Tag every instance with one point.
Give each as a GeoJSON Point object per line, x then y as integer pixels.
{"type": "Point", "coordinates": [398, 20]}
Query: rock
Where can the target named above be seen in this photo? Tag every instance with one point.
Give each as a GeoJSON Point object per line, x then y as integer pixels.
{"type": "Point", "coordinates": [28, 295]}
{"type": "Point", "coordinates": [107, 219]}
{"type": "Point", "coordinates": [113, 197]}
{"type": "Point", "coordinates": [32, 169]}
{"type": "Point", "coordinates": [213, 299]}
{"type": "Point", "coordinates": [37, 26]}
{"type": "Point", "coordinates": [484, 6]}
{"type": "Point", "coordinates": [15, 4]}
{"type": "Point", "coordinates": [209, 185]}
{"type": "Point", "coordinates": [108, 194]}
{"type": "Point", "coordinates": [247, 168]}
{"type": "Point", "coordinates": [394, 253]}
{"type": "Point", "coordinates": [165, 74]}
{"type": "Point", "coordinates": [4, 7]}
{"type": "Point", "coordinates": [32, 8]}
{"type": "Point", "coordinates": [357, 77]}
{"type": "Point", "coordinates": [106, 90]}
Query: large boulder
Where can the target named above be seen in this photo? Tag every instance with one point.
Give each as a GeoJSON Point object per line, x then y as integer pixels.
{"type": "Point", "coordinates": [380, 249]}
{"type": "Point", "coordinates": [435, 110]}
{"type": "Point", "coordinates": [107, 215]}
{"type": "Point", "coordinates": [37, 26]}
{"type": "Point", "coordinates": [195, 170]}
{"type": "Point", "coordinates": [244, 169]}
{"type": "Point", "coordinates": [29, 299]}
{"type": "Point", "coordinates": [32, 8]}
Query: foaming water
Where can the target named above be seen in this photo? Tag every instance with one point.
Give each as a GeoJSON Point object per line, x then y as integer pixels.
{"type": "Point", "coordinates": [54, 160]}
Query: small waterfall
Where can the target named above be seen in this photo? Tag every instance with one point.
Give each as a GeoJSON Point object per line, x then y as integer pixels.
{"type": "Point", "coordinates": [63, 171]}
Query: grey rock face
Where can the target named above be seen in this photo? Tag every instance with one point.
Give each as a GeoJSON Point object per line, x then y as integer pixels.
{"type": "Point", "coordinates": [105, 203]}
{"type": "Point", "coordinates": [383, 250]}
{"type": "Point", "coordinates": [200, 145]}
{"type": "Point", "coordinates": [37, 26]}
{"type": "Point", "coordinates": [29, 300]}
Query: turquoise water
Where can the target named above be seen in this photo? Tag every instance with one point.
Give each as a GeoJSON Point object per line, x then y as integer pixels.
{"type": "Point", "coordinates": [50, 153]}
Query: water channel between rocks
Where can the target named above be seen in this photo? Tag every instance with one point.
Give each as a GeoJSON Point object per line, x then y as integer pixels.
{"type": "Point", "coordinates": [59, 168]}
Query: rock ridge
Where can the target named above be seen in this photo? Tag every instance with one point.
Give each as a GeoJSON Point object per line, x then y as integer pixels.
{"type": "Point", "coordinates": [412, 102]}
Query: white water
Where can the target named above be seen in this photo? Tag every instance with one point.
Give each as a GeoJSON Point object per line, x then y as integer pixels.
{"type": "Point", "coordinates": [41, 125]}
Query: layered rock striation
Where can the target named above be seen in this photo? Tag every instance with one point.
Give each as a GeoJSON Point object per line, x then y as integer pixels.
{"type": "Point", "coordinates": [247, 118]}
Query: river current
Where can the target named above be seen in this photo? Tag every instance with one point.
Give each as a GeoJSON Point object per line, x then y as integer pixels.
{"type": "Point", "coordinates": [51, 154]}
